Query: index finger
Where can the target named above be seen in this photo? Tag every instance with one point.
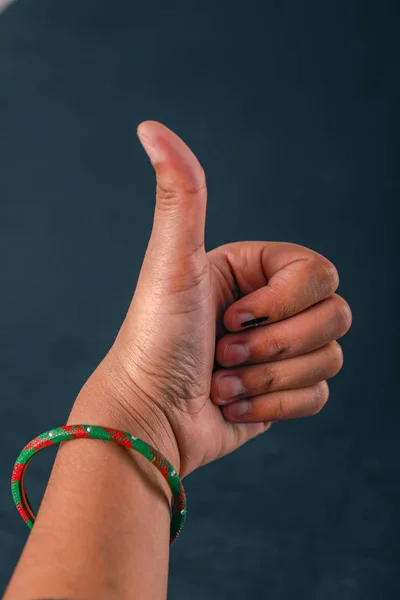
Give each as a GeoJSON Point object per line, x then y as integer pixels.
{"type": "Point", "coordinates": [295, 277]}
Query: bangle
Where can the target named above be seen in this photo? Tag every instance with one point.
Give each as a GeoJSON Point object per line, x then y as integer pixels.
{"type": "Point", "coordinates": [123, 438]}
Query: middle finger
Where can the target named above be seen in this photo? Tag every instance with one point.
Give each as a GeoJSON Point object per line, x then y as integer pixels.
{"type": "Point", "coordinates": [309, 330]}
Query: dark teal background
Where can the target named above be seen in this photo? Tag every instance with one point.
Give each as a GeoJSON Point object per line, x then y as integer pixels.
{"type": "Point", "coordinates": [291, 108]}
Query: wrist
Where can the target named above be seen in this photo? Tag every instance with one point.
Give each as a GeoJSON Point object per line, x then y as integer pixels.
{"type": "Point", "coordinates": [108, 399]}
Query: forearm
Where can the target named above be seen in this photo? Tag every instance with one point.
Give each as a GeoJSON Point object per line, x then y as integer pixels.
{"type": "Point", "coordinates": [102, 530]}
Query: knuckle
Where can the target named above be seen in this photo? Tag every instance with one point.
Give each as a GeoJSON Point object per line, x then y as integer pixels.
{"type": "Point", "coordinates": [344, 316]}
{"type": "Point", "coordinates": [335, 358]}
{"type": "Point", "coordinates": [331, 275]}
{"type": "Point", "coordinates": [168, 192]}
{"type": "Point", "coordinates": [279, 346]}
{"type": "Point", "coordinates": [319, 397]}
{"type": "Point", "coordinates": [323, 277]}
{"type": "Point", "coordinates": [267, 379]}
{"type": "Point", "coordinates": [196, 189]}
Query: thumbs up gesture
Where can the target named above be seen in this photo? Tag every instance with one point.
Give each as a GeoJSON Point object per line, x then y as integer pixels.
{"type": "Point", "coordinates": [217, 345]}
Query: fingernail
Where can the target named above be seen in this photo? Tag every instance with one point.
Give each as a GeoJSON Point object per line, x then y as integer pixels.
{"type": "Point", "coordinates": [241, 317]}
{"type": "Point", "coordinates": [238, 409]}
{"type": "Point", "coordinates": [229, 387]}
{"type": "Point", "coordinates": [253, 321]}
{"type": "Point", "coordinates": [147, 139]}
{"type": "Point", "coordinates": [235, 354]}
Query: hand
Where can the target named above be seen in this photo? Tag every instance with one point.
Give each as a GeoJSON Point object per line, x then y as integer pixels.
{"type": "Point", "coordinates": [182, 360]}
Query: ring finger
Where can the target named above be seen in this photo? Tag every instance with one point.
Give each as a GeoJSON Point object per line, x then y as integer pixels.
{"type": "Point", "coordinates": [230, 385]}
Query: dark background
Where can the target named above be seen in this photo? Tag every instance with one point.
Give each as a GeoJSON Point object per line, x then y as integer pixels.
{"type": "Point", "coordinates": [290, 107]}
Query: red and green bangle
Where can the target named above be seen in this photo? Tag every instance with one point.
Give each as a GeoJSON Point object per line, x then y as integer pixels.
{"type": "Point", "coordinates": [123, 438]}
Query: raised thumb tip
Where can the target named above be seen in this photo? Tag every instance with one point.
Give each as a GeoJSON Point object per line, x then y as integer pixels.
{"type": "Point", "coordinates": [147, 135]}
{"type": "Point", "coordinates": [181, 188]}
{"type": "Point", "coordinates": [177, 168]}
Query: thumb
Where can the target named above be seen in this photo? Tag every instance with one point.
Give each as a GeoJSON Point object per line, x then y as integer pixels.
{"type": "Point", "coordinates": [181, 197]}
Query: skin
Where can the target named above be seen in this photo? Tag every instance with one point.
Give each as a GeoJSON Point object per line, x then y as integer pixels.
{"type": "Point", "coordinates": [165, 379]}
